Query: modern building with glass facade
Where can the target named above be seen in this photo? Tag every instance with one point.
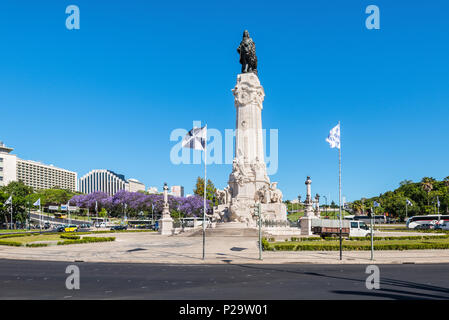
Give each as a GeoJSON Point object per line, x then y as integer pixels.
{"type": "Point", "coordinates": [102, 180]}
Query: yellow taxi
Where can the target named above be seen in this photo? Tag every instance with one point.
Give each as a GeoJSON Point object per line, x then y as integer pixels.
{"type": "Point", "coordinates": [71, 228]}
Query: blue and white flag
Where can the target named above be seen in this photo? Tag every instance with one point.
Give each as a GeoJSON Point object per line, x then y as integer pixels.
{"type": "Point", "coordinates": [195, 139]}
{"type": "Point", "coordinates": [408, 202]}
{"type": "Point", "coordinates": [438, 202]}
{"type": "Point", "coordinates": [37, 203]}
{"type": "Point", "coordinates": [376, 204]}
{"type": "Point", "coordinates": [334, 137]}
{"type": "Point", "coordinates": [8, 201]}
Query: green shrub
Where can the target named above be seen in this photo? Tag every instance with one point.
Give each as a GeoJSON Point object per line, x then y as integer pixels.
{"type": "Point", "coordinates": [10, 243]}
{"type": "Point", "coordinates": [70, 236]}
{"type": "Point", "coordinates": [5, 236]}
{"type": "Point", "coordinates": [87, 240]}
{"type": "Point", "coordinates": [34, 245]}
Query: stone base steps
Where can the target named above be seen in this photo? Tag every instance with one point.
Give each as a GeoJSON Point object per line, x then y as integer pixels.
{"type": "Point", "coordinates": [226, 232]}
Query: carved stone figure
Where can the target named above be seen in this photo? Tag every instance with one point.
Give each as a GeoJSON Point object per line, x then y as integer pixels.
{"type": "Point", "coordinates": [276, 194]}
{"type": "Point", "coordinates": [247, 51]}
{"type": "Point", "coordinates": [221, 196]}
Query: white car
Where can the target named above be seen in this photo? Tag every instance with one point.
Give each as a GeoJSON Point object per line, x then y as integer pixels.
{"type": "Point", "coordinates": [100, 225]}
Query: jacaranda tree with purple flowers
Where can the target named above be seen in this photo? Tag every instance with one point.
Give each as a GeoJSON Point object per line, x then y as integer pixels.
{"type": "Point", "coordinates": [135, 202]}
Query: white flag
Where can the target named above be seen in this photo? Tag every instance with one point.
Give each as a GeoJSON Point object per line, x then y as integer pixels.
{"type": "Point", "coordinates": [195, 139]}
{"type": "Point", "coordinates": [408, 202]}
{"type": "Point", "coordinates": [334, 137]}
{"type": "Point", "coordinates": [9, 201]}
{"type": "Point", "coordinates": [37, 203]}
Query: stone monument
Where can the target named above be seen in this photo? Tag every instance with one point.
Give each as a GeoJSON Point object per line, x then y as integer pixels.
{"type": "Point", "coordinates": [309, 214]}
{"type": "Point", "coordinates": [317, 206]}
{"type": "Point", "coordinates": [248, 182]}
{"type": "Point", "coordinates": [166, 222]}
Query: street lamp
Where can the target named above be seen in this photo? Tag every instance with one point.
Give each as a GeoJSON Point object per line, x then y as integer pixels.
{"type": "Point", "coordinates": [325, 208]}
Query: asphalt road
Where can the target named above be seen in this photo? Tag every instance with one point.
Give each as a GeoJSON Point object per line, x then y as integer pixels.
{"type": "Point", "coordinates": [46, 280]}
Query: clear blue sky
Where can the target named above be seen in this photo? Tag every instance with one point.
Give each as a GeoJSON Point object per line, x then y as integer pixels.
{"type": "Point", "coordinates": [108, 95]}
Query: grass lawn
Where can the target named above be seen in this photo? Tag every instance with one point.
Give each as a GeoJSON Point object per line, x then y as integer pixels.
{"type": "Point", "coordinates": [34, 238]}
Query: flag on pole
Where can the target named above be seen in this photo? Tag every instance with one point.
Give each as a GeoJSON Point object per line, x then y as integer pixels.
{"type": "Point", "coordinates": [195, 139]}
{"type": "Point", "coordinates": [408, 202]}
{"type": "Point", "coordinates": [376, 204]}
{"type": "Point", "coordinates": [334, 137]}
{"type": "Point", "coordinates": [8, 201]}
{"type": "Point", "coordinates": [37, 203]}
{"type": "Point", "coordinates": [96, 206]}
{"type": "Point", "coordinates": [438, 202]}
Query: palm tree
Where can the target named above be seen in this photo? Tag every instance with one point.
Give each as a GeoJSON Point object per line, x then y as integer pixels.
{"type": "Point", "coordinates": [427, 186]}
{"type": "Point", "coordinates": [446, 181]}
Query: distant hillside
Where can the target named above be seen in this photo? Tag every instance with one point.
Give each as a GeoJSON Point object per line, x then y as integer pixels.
{"type": "Point", "coordinates": [423, 195]}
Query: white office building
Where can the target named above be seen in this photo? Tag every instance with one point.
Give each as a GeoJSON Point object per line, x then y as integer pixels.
{"type": "Point", "coordinates": [102, 180]}
{"type": "Point", "coordinates": [32, 173]}
{"type": "Point", "coordinates": [177, 191]}
{"type": "Point", "coordinates": [135, 185]}
{"type": "Point", "coordinates": [152, 190]}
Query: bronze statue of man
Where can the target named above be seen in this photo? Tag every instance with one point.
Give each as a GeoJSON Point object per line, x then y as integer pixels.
{"type": "Point", "coordinates": [247, 51]}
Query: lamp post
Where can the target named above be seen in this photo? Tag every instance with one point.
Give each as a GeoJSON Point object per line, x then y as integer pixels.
{"type": "Point", "coordinates": [325, 208]}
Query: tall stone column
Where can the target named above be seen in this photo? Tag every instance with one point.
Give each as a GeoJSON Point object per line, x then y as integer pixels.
{"type": "Point", "coordinates": [308, 211]}
{"type": "Point", "coordinates": [309, 215]}
{"type": "Point", "coordinates": [249, 182]}
{"type": "Point", "coordinates": [166, 222]}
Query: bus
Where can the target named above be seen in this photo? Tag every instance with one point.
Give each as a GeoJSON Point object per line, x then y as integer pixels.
{"type": "Point", "coordinates": [59, 215]}
{"type": "Point", "coordinates": [367, 219]}
{"type": "Point", "coordinates": [433, 219]}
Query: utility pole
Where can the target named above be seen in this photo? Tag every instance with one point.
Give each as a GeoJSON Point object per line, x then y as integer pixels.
{"type": "Point", "coordinates": [258, 212]}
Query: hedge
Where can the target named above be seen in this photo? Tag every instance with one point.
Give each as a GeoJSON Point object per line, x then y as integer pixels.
{"type": "Point", "coordinates": [356, 247]}
{"type": "Point", "coordinates": [10, 243]}
{"type": "Point", "coordinates": [70, 236]}
{"type": "Point", "coordinates": [34, 245]}
{"type": "Point", "coordinates": [87, 240]}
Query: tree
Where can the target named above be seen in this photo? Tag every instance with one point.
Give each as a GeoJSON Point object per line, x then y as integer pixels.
{"type": "Point", "coordinates": [446, 181]}
{"type": "Point", "coordinates": [210, 188]}
{"type": "Point", "coordinates": [199, 187]}
{"type": "Point", "coordinates": [427, 185]}
{"type": "Point", "coordinates": [20, 201]}
{"type": "Point", "coordinates": [405, 182]}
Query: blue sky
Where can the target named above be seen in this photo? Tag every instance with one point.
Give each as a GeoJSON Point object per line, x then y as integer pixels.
{"type": "Point", "coordinates": [109, 95]}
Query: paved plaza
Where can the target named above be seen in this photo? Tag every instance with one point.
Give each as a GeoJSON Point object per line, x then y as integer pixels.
{"type": "Point", "coordinates": [147, 247]}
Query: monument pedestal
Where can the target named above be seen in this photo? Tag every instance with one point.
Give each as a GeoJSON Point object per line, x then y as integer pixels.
{"type": "Point", "coordinates": [306, 225]}
{"type": "Point", "coordinates": [166, 226]}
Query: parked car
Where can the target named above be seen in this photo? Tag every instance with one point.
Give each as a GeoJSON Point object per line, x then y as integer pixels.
{"type": "Point", "coordinates": [121, 227]}
{"type": "Point", "coordinates": [60, 229]}
{"type": "Point", "coordinates": [71, 228]}
{"type": "Point", "coordinates": [100, 225]}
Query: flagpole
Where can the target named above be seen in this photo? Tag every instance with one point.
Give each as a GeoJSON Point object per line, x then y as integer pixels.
{"type": "Point", "coordinates": [339, 193]}
{"type": "Point", "coordinates": [205, 186]}
{"type": "Point", "coordinates": [11, 211]}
